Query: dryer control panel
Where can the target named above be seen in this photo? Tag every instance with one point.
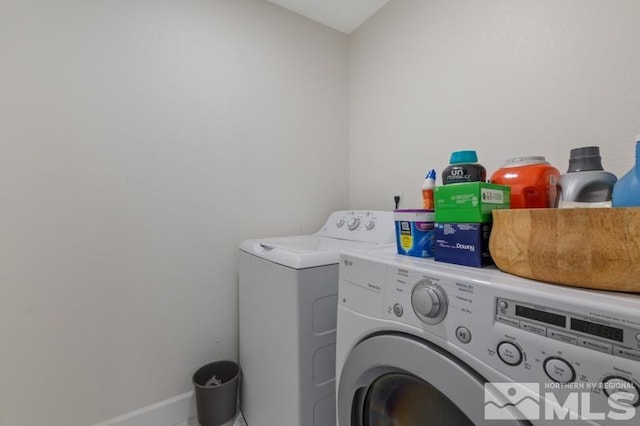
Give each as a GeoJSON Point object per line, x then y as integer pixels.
{"type": "Point", "coordinates": [509, 329]}
{"type": "Point", "coordinates": [598, 334]}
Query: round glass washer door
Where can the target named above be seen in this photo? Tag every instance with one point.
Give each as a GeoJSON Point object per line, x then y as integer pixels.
{"type": "Point", "coordinates": [400, 399]}
{"type": "Point", "coordinates": [399, 380]}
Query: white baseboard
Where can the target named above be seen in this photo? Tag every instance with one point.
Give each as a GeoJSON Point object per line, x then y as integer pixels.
{"type": "Point", "coordinates": [170, 412]}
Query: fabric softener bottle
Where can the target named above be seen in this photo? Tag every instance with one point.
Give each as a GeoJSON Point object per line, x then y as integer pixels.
{"type": "Point", "coordinates": [463, 167]}
{"type": "Point", "coordinates": [626, 192]}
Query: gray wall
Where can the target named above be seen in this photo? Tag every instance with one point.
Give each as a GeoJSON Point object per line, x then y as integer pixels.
{"type": "Point", "coordinates": [141, 142]}
{"type": "Point", "coordinates": [507, 78]}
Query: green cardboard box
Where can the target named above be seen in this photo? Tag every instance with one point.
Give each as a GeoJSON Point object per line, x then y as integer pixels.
{"type": "Point", "coordinates": [469, 202]}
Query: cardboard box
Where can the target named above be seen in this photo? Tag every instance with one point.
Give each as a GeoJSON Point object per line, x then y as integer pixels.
{"type": "Point", "coordinates": [470, 202]}
{"type": "Point", "coordinates": [414, 232]}
{"type": "Point", "coordinates": [463, 243]}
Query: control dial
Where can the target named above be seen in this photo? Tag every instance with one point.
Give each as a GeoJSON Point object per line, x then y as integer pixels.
{"type": "Point", "coordinates": [353, 223]}
{"type": "Point", "coordinates": [339, 222]}
{"type": "Point", "coordinates": [429, 302]}
{"type": "Point", "coordinates": [616, 384]}
{"type": "Point", "coordinates": [559, 370]}
{"type": "Point", "coordinates": [369, 225]}
{"type": "Point", "coordinates": [509, 353]}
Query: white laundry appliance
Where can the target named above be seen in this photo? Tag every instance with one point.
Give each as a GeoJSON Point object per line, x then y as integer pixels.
{"type": "Point", "coordinates": [425, 343]}
{"type": "Point", "coordinates": [288, 290]}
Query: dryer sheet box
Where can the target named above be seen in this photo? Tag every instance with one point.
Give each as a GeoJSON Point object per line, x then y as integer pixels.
{"type": "Point", "coordinates": [463, 243]}
{"type": "Point", "coordinates": [469, 202]}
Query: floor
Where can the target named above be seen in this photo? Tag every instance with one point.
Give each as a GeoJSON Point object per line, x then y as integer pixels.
{"type": "Point", "coordinates": [238, 421]}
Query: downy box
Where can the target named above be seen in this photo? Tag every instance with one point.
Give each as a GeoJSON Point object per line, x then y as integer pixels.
{"type": "Point", "coordinates": [463, 243]}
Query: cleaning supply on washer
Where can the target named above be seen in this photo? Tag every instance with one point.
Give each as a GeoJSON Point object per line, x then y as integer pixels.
{"type": "Point", "coordinates": [586, 183]}
{"type": "Point", "coordinates": [626, 192]}
{"type": "Point", "coordinates": [532, 180]}
{"type": "Point", "coordinates": [414, 232]}
{"type": "Point", "coordinates": [464, 167]}
{"type": "Point", "coordinates": [427, 190]}
{"type": "Point", "coordinates": [463, 243]}
{"type": "Point", "coordinates": [470, 202]}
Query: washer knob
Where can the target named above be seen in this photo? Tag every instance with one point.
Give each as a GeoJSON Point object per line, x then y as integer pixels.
{"type": "Point", "coordinates": [429, 302]}
{"type": "Point", "coordinates": [340, 222]}
{"type": "Point", "coordinates": [369, 225]}
{"type": "Point", "coordinates": [353, 223]}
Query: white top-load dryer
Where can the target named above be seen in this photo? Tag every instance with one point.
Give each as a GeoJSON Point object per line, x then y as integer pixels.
{"type": "Point", "coordinates": [288, 290]}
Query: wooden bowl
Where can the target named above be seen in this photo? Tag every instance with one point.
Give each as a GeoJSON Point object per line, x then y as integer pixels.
{"type": "Point", "coordinates": [592, 248]}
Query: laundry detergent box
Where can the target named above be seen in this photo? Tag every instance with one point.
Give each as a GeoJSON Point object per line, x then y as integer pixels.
{"type": "Point", "coordinates": [469, 202]}
{"type": "Point", "coordinates": [463, 243]}
{"type": "Point", "coordinates": [414, 232]}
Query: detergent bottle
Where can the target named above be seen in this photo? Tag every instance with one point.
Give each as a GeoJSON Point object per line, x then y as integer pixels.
{"type": "Point", "coordinates": [533, 181]}
{"type": "Point", "coordinates": [626, 192]}
{"type": "Point", "coordinates": [427, 190]}
{"type": "Point", "coordinates": [464, 167]}
{"type": "Point", "coordinates": [586, 183]}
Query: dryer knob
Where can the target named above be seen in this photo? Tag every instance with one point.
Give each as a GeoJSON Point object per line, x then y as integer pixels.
{"type": "Point", "coordinates": [353, 223]}
{"type": "Point", "coordinates": [429, 302]}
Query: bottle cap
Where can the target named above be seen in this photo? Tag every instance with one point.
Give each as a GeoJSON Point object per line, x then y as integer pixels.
{"type": "Point", "coordinates": [431, 174]}
{"type": "Point", "coordinates": [585, 159]}
{"type": "Point", "coordinates": [459, 157]}
{"type": "Point", "coordinates": [525, 161]}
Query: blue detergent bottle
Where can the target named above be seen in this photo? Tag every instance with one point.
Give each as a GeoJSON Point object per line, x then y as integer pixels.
{"type": "Point", "coordinates": [626, 192]}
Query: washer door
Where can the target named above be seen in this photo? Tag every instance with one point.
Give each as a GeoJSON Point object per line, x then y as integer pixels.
{"type": "Point", "coordinates": [399, 380]}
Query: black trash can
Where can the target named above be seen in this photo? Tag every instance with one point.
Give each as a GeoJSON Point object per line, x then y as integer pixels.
{"type": "Point", "coordinates": [216, 387]}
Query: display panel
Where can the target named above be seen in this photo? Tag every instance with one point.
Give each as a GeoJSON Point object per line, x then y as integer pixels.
{"type": "Point", "coordinates": [542, 316]}
{"type": "Point", "coordinates": [599, 330]}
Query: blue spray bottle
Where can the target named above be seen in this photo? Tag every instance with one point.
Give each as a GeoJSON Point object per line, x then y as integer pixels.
{"type": "Point", "coordinates": [626, 192]}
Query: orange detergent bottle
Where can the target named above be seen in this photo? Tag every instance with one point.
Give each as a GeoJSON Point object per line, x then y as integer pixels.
{"type": "Point", "coordinates": [532, 180]}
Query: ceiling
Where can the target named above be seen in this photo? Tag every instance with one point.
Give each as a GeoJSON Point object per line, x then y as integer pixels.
{"type": "Point", "coordinates": [342, 15]}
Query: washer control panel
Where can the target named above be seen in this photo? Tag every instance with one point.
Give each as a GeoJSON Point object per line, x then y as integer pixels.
{"type": "Point", "coordinates": [576, 329]}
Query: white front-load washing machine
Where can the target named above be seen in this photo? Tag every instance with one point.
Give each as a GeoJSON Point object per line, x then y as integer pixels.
{"type": "Point", "coordinates": [288, 290]}
{"type": "Point", "coordinates": [423, 343]}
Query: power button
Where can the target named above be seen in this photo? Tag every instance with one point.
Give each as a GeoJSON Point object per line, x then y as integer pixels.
{"type": "Point", "coordinates": [463, 334]}
{"type": "Point", "coordinates": [397, 309]}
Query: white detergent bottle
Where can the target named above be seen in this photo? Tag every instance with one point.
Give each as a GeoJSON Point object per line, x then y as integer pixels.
{"type": "Point", "coordinates": [586, 183]}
